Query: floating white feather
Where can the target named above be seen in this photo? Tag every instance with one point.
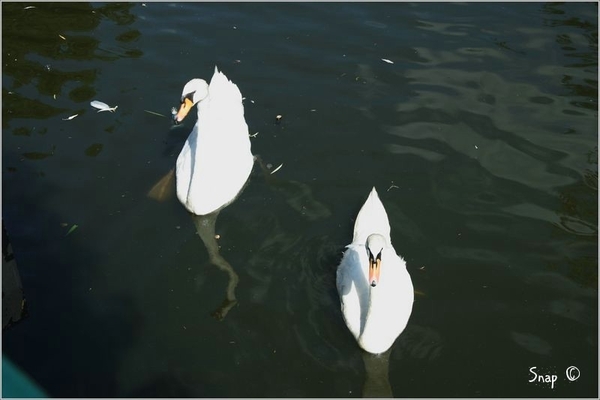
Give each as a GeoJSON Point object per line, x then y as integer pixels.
{"type": "Point", "coordinates": [102, 106]}
{"type": "Point", "coordinates": [277, 169]}
{"type": "Point", "coordinates": [70, 118]}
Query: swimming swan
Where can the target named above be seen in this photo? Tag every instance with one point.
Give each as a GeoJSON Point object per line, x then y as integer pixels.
{"type": "Point", "coordinates": [375, 288]}
{"type": "Point", "coordinates": [216, 159]}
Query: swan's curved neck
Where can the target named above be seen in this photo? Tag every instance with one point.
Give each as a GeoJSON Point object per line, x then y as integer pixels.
{"type": "Point", "coordinates": [375, 323]}
{"type": "Point", "coordinates": [200, 95]}
{"type": "Point", "coordinates": [374, 299]}
{"type": "Point", "coordinates": [374, 310]}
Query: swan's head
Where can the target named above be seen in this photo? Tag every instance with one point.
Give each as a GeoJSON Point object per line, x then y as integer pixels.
{"type": "Point", "coordinates": [375, 245]}
{"type": "Point", "coordinates": [193, 92]}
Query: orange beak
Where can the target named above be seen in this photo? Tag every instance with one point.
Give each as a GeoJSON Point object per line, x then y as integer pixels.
{"type": "Point", "coordinates": [374, 269]}
{"type": "Point", "coordinates": [185, 108]}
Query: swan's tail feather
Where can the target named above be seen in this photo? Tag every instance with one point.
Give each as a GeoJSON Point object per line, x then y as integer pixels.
{"type": "Point", "coordinates": [221, 87]}
{"type": "Point", "coordinates": [371, 218]}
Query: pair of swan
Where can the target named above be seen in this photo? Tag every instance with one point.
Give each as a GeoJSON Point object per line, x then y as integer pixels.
{"type": "Point", "coordinates": [375, 289]}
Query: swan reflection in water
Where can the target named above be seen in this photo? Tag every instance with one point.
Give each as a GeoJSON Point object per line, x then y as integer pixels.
{"type": "Point", "coordinates": [298, 196]}
{"type": "Point", "coordinates": [205, 227]}
{"type": "Point", "coordinates": [377, 382]}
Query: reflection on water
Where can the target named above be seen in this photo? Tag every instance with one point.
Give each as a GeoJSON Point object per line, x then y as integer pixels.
{"type": "Point", "coordinates": [377, 382]}
{"type": "Point", "coordinates": [57, 31]}
{"type": "Point", "coordinates": [205, 227]}
{"type": "Point", "coordinates": [416, 342]}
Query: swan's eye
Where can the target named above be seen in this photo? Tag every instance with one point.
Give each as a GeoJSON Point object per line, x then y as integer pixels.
{"type": "Point", "coordinates": [379, 255]}
{"type": "Point", "coordinates": [189, 96]}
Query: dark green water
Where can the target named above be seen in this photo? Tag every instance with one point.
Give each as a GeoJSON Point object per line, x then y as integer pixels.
{"type": "Point", "coordinates": [481, 138]}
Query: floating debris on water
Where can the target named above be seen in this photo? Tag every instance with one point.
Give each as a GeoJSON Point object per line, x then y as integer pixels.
{"type": "Point", "coordinates": [102, 106]}
{"type": "Point", "coordinates": [277, 169]}
{"type": "Point", "coordinates": [72, 229]}
{"type": "Point", "coordinates": [155, 113]}
{"type": "Point", "coordinates": [387, 61]}
{"type": "Point", "coordinates": [70, 118]}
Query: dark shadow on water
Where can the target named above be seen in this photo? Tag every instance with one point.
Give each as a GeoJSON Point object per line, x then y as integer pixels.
{"type": "Point", "coordinates": [73, 339]}
{"type": "Point", "coordinates": [164, 386]}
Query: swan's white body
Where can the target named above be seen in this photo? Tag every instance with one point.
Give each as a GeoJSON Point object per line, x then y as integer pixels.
{"type": "Point", "coordinates": [375, 315]}
{"type": "Point", "coordinates": [216, 159]}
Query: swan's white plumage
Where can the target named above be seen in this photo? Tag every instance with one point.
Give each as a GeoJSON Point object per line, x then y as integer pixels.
{"type": "Point", "coordinates": [216, 159]}
{"type": "Point", "coordinates": [375, 315]}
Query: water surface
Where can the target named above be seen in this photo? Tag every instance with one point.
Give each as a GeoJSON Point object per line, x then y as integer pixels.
{"type": "Point", "coordinates": [481, 137]}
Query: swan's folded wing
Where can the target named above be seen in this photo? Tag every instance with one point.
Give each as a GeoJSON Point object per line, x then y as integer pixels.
{"type": "Point", "coordinates": [184, 172]}
{"type": "Point", "coordinates": [353, 288]}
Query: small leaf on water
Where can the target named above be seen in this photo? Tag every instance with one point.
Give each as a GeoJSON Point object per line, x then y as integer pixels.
{"type": "Point", "coordinates": [36, 155]}
{"type": "Point", "coordinates": [94, 149]}
{"type": "Point", "coordinates": [75, 226]}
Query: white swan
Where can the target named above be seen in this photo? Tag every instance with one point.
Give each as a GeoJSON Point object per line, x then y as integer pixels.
{"type": "Point", "coordinates": [374, 286]}
{"type": "Point", "coordinates": [216, 159]}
